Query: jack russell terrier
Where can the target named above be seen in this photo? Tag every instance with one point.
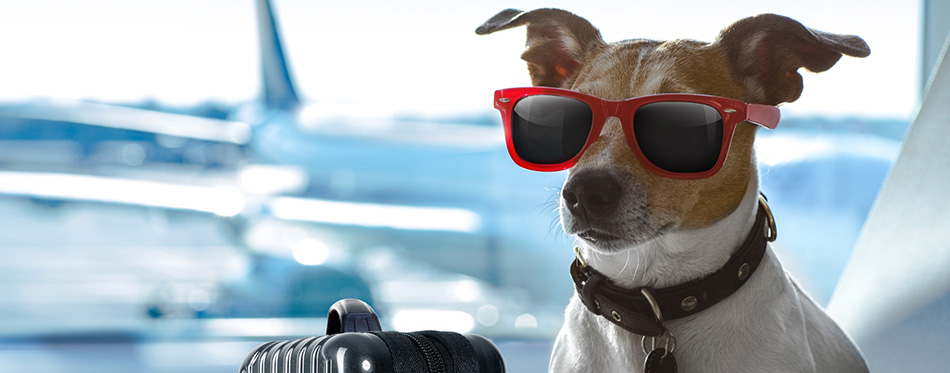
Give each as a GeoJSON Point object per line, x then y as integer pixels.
{"type": "Point", "coordinates": [673, 267]}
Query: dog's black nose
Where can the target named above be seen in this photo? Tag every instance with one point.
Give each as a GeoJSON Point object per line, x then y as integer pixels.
{"type": "Point", "coordinates": [591, 194]}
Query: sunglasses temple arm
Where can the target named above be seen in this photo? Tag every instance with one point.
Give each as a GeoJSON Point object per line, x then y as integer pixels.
{"type": "Point", "coordinates": [764, 115]}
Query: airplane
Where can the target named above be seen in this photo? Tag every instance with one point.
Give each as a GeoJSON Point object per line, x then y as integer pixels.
{"type": "Point", "coordinates": [437, 192]}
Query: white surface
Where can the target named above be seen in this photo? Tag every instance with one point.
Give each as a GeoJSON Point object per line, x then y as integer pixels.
{"type": "Point", "coordinates": [901, 260]}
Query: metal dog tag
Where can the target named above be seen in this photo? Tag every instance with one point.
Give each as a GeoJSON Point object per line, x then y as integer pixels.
{"type": "Point", "coordinates": [660, 361]}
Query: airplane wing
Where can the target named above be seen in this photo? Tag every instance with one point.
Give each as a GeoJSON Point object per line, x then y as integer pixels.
{"type": "Point", "coordinates": [126, 118]}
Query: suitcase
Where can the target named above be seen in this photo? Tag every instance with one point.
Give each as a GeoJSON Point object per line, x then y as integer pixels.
{"type": "Point", "coordinates": [355, 343]}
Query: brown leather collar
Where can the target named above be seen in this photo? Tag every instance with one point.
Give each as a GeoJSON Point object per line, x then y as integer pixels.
{"type": "Point", "coordinates": [632, 310]}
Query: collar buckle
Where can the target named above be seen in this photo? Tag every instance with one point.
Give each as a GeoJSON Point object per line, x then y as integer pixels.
{"type": "Point", "coordinates": [653, 304]}
{"type": "Point", "coordinates": [772, 234]}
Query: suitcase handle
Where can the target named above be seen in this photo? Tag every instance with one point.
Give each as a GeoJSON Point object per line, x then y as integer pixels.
{"type": "Point", "coordinates": [351, 315]}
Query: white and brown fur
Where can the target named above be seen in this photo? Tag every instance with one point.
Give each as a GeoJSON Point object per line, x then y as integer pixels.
{"type": "Point", "coordinates": [660, 232]}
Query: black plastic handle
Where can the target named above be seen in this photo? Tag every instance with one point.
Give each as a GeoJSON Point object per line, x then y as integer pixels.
{"type": "Point", "coordinates": [352, 315]}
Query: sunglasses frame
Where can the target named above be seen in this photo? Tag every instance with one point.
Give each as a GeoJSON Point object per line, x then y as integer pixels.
{"type": "Point", "coordinates": [732, 112]}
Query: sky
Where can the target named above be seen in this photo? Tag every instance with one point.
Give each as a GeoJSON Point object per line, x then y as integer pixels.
{"type": "Point", "coordinates": [405, 57]}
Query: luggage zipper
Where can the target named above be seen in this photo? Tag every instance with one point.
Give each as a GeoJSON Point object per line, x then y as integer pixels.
{"type": "Point", "coordinates": [433, 360]}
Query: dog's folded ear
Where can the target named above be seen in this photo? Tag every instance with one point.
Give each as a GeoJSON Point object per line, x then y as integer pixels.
{"type": "Point", "coordinates": [558, 42]}
{"type": "Point", "coordinates": [767, 50]}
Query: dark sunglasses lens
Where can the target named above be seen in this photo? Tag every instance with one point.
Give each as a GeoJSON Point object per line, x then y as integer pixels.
{"type": "Point", "coordinates": [550, 129]}
{"type": "Point", "coordinates": [679, 136]}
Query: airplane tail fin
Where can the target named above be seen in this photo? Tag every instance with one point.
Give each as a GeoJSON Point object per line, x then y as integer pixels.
{"type": "Point", "coordinates": [277, 89]}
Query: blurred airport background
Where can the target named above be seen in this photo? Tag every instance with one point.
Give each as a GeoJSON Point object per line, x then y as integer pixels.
{"type": "Point", "coordinates": [166, 209]}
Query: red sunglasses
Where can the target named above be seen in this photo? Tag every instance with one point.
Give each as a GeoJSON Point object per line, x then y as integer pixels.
{"type": "Point", "coordinates": [680, 136]}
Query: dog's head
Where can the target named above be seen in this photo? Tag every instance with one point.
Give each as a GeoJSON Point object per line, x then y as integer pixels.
{"type": "Point", "coordinates": [610, 200]}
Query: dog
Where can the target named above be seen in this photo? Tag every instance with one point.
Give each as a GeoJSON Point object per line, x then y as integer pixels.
{"type": "Point", "coordinates": [644, 230]}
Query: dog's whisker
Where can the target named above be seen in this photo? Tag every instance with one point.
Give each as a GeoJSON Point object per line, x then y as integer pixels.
{"type": "Point", "coordinates": [555, 226]}
{"type": "Point", "coordinates": [625, 263]}
{"type": "Point", "coordinates": [552, 206]}
{"type": "Point", "coordinates": [636, 270]}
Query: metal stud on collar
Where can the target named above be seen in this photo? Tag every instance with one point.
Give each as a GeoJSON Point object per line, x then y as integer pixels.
{"type": "Point", "coordinates": [616, 316]}
{"type": "Point", "coordinates": [689, 303]}
{"type": "Point", "coordinates": [743, 271]}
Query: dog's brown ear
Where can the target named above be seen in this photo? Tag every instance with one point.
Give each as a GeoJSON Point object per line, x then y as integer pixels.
{"type": "Point", "coordinates": [767, 50]}
{"type": "Point", "coordinates": [558, 42]}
